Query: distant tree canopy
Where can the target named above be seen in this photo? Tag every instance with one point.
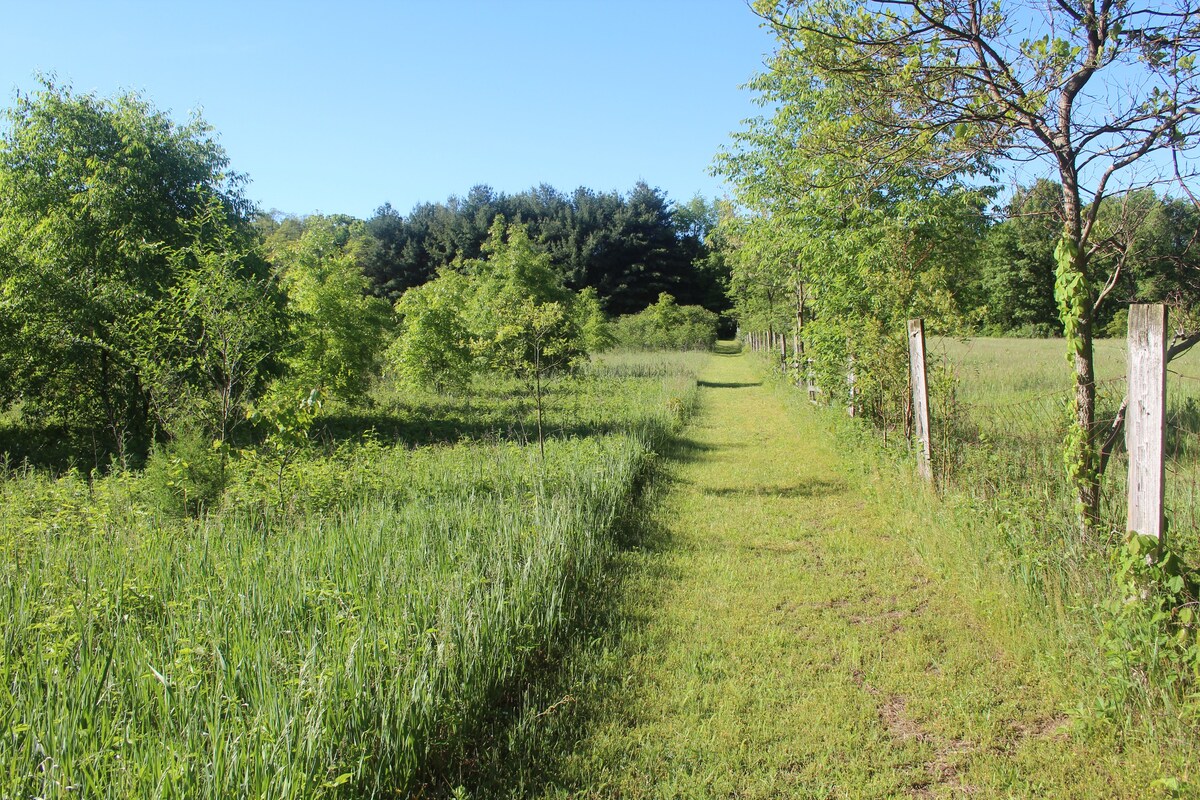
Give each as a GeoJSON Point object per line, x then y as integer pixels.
{"type": "Point", "coordinates": [629, 248]}
{"type": "Point", "coordinates": [1151, 237]}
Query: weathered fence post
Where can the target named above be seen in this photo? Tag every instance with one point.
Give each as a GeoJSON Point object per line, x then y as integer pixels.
{"type": "Point", "coordinates": [851, 385]}
{"type": "Point", "coordinates": [797, 356]}
{"type": "Point", "coordinates": [1146, 417]}
{"type": "Point", "coordinates": [920, 396]}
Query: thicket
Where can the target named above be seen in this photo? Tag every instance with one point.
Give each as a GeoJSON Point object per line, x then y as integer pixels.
{"type": "Point", "coordinates": [666, 325]}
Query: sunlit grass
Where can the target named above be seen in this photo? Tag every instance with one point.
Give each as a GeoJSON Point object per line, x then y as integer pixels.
{"type": "Point", "coordinates": [804, 622]}
{"type": "Point", "coordinates": [343, 637]}
{"type": "Point", "coordinates": [1006, 429]}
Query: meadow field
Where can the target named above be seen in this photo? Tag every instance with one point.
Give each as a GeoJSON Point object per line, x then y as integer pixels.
{"type": "Point", "coordinates": [345, 621]}
{"type": "Point", "coordinates": [999, 417]}
{"type": "Point", "coordinates": [1009, 404]}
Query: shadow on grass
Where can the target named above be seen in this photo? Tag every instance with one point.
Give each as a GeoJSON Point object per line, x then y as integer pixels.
{"type": "Point", "coordinates": [495, 415]}
{"type": "Point", "coordinates": [813, 488]}
{"type": "Point", "coordinates": [686, 450]}
{"type": "Point", "coordinates": [426, 426]}
{"type": "Point", "coordinates": [717, 385]}
{"type": "Point", "coordinates": [727, 348]}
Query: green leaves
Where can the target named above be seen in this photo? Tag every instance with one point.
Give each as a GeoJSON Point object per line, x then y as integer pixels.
{"type": "Point", "coordinates": [338, 332]}
{"type": "Point", "coordinates": [1150, 625]}
{"type": "Point", "coordinates": [433, 346]}
{"type": "Point", "coordinates": [667, 325]}
{"type": "Point", "coordinates": [98, 198]}
{"type": "Point", "coordinates": [509, 311]}
{"type": "Point", "coordinates": [1071, 291]}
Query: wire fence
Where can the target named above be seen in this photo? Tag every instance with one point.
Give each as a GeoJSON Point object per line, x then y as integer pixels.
{"type": "Point", "coordinates": [1000, 411]}
{"type": "Point", "coordinates": [1001, 430]}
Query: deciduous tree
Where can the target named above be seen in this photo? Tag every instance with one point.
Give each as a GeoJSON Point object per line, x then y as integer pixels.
{"type": "Point", "coordinates": [95, 197]}
{"type": "Point", "coordinates": [1088, 88]}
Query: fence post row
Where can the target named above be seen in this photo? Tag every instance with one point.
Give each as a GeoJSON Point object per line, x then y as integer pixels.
{"type": "Point", "coordinates": [920, 396]}
{"type": "Point", "coordinates": [1145, 423]}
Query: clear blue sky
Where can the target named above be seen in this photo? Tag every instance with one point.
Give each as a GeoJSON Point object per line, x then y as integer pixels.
{"type": "Point", "coordinates": [341, 107]}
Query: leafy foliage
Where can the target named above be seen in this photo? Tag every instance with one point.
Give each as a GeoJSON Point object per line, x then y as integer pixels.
{"type": "Point", "coordinates": [1150, 627]}
{"type": "Point", "coordinates": [903, 99]}
{"type": "Point", "coordinates": [837, 259]}
{"type": "Point", "coordinates": [99, 198]}
{"type": "Point", "coordinates": [338, 332]}
{"type": "Point", "coordinates": [508, 311]}
{"type": "Point", "coordinates": [628, 248]}
{"type": "Point", "coordinates": [667, 326]}
{"type": "Point", "coordinates": [433, 347]}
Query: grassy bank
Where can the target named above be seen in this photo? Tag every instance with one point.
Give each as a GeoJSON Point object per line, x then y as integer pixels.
{"type": "Point", "coordinates": [999, 445]}
{"type": "Point", "coordinates": [343, 624]}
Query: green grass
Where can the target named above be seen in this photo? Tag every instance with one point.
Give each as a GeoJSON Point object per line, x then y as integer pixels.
{"type": "Point", "coordinates": [357, 634]}
{"type": "Point", "coordinates": [998, 443]}
{"type": "Point", "coordinates": [1001, 439]}
{"type": "Point", "coordinates": [799, 623]}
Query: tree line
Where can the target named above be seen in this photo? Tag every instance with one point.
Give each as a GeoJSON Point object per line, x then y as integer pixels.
{"type": "Point", "coordinates": [628, 247]}
{"type": "Point", "coordinates": [143, 297]}
{"type": "Point", "coordinates": [864, 185]}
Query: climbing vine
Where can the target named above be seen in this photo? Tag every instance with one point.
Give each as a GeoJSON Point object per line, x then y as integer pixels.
{"type": "Point", "coordinates": [1071, 294]}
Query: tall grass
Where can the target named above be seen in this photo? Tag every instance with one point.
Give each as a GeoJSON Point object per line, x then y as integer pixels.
{"type": "Point", "coordinates": [1002, 429]}
{"type": "Point", "coordinates": [1000, 409]}
{"type": "Point", "coordinates": [1000, 421]}
{"type": "Point", "coordinates": [344, 642]}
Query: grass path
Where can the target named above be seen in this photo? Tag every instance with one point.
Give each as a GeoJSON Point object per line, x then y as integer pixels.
{"type": "Point", "coordinates": [786, 638]}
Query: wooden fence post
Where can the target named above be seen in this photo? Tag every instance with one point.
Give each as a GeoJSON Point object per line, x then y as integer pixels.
{"type": "Point", "coordinates": [797, 356]}
{"type": "Point", "coordinates": [852, 385]}
{"type": "Point", "coordinates": [920, 396]}
{"type": "Point", "coordinates": [1146, 417]}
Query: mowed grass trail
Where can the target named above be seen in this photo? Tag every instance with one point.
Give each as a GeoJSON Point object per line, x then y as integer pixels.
{"type": "Point", "coordinates": [785, 635]}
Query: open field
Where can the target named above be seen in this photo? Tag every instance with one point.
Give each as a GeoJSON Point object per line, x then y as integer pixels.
{"type": "Point", "coordinates": [997, 447]}
{"type": "Point", "coordinates": [342, 624]}
{"type": "Point", "coordinates": [1008, 409]}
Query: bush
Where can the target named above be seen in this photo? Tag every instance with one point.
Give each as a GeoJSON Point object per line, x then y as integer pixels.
{"type": "Point", "coordinates": [667, 326]}
{"type": "Point", "coordinates": [186, 475]}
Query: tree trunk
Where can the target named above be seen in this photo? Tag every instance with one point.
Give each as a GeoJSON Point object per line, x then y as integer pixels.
{"type": "Point", "coordinates": [537, 378]}
{"type": "Point", "coordinates": [1088, 485]}
{"type": "Point", "coordinates": [1075, 309]}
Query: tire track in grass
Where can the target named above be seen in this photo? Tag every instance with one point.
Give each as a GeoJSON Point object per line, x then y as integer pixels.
{"type": "Point", "coordinates": [788, 641]}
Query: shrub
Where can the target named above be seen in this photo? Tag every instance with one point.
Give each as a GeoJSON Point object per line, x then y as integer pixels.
{"type": "Point", "coordinates": [186, 475]}
{"type": "Point", "coordinates": [667, 326]}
